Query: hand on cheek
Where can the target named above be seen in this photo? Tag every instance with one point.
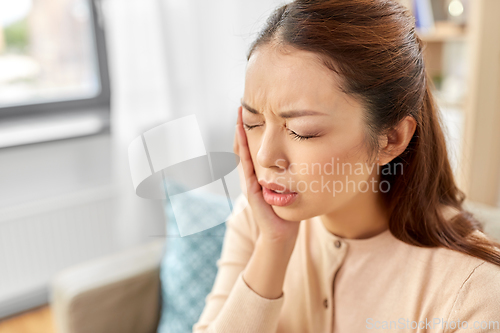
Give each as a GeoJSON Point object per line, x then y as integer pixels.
{"type": "Point", "coordinates": [272, 227]}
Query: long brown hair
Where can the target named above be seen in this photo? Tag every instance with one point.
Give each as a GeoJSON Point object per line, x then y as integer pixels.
{"type": "Point", "coordinates": [373, 46]}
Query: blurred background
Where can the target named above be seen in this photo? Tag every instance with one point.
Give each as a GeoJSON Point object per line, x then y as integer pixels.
{"type": "Point", "coordinates": [80, 79]}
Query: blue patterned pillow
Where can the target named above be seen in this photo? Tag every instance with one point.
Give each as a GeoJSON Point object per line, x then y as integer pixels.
{"type": "Point", "coordinates": [188, 267]}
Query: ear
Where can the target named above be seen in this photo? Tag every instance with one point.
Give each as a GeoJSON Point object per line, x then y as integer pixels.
{"type": "Point", "coordinates": [395, 141]}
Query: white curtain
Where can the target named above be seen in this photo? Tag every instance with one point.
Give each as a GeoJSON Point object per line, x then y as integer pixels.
{"type": "Point", "coordinates": [168, 59]}
{"type": "Point", "coordinates": [206, 45]}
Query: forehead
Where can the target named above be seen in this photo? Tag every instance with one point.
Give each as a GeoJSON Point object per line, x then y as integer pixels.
{"type": "Point", "coordinates": [295, 78]}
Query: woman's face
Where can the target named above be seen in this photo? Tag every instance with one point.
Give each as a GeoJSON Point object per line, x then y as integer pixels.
{"type": "Point", "coordinates": [328, 167]}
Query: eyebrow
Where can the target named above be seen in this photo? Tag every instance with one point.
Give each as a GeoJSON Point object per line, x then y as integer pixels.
{"type": "Point", "coordinates": [287, 114]}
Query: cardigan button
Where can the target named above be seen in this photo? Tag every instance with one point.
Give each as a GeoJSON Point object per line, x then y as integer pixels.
{"type": "Point", "coordinates": [337, 244]}
{"type": "Point", "coordinates": [325, 303]}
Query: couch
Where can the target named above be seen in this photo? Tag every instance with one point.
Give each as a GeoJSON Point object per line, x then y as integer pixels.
{"type": "Point", "coordinates": [121, 292]}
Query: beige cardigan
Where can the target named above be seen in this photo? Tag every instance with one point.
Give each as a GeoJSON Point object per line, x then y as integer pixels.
{"type": "Point", "coordinates": [349, 286]}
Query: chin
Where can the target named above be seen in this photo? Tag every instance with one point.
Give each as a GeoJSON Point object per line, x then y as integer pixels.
{"type": "Point", "coordinates": [292, 214]}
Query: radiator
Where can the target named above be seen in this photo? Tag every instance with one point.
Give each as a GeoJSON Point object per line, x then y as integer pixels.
{"type": "Point", "coordinates": [40, 238]}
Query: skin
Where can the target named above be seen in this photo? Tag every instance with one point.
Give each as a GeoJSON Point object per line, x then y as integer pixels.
{"type": "Point", "coordinates": [282, 79]}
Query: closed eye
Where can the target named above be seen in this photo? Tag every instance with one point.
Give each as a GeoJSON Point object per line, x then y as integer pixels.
{"type": "Point", "coordinates": [249, 127]}
{"type": "Point", "coordinates": [300, 137]}
{"type": "Point", "coordinates": [292, 133]}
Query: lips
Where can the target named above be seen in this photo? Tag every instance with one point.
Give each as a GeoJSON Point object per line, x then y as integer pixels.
{"type": "Point", "coordinates": [275, 187]}
{"type": "Point", "coordinates": [274, 198]}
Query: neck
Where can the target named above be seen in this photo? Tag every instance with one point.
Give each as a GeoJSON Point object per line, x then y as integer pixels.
{"type": "Point", "coordinates": [363, 217]}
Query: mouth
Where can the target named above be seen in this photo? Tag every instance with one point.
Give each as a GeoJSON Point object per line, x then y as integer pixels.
{"type": "Point", "coordinates": [276, 188]}
{"type": "Point", "coordinates": [277, 195]}
{"type": "Point", "coordinates": [274, 198]}
{"type": "Point", "coordinates": [282, 192]}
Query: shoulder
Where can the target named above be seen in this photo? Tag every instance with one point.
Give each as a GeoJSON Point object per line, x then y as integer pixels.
{"type": "Point", "coordinates": [452, 264]}
{"type": "Point", "coordinates": [449, 270]}
{"type": "Point", "coordinates": [485, 274]}
{"type": "Point", "coordinates": [472, 284]}
{"type": "Point", "coordinates": [483, 281]}
{"type": "Point", "coordinates": [478, 298]}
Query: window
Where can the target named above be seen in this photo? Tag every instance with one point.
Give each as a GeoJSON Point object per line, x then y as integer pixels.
{"type": "Point", "coordinates": [54, 80]}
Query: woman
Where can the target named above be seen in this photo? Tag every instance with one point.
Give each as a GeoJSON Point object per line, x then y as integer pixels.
{"type": "Point", "coordinates": [354, 220]}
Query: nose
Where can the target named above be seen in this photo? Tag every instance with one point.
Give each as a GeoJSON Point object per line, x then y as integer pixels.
{"type": "Point", "coordinates": [271, 153]}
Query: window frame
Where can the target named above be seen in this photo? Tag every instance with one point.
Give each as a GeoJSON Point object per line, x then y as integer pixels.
{"type": "Point", "coordinates": [100, 102]}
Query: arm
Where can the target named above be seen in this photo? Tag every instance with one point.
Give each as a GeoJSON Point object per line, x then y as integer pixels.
{"type": "Point", "coordinates": [250, 301]}
{"type": "Point", "coordinates": [232, 305]}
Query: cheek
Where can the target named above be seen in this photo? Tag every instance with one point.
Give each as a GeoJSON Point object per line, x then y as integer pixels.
{"type": "Point", "coordinates": [336, 171]}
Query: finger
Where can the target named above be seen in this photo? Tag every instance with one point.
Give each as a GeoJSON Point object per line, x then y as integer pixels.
{"type": "Point", "coordinates": [246, 159]}
{"type": "Point", "coordinates": [242, 179]}
{"type": "Point", "coordinates": [235, 142]}
{"type": "Point", "coordinates": [238, 121]}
